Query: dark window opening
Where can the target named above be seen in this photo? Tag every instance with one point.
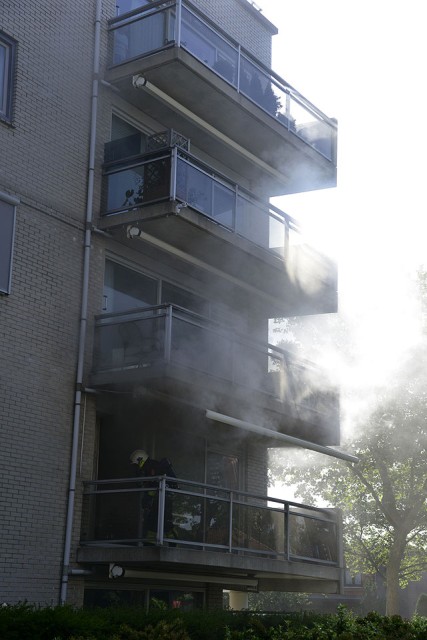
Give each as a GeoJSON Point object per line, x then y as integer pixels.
{"type": "Point", "coordinates": [7, 64]}
{"type": "Point", "coordinates": [186, 600]}
{"type": "Point", "coordinates": [129, 289]}
{"type": "Point", "coordinates": [7, 230]}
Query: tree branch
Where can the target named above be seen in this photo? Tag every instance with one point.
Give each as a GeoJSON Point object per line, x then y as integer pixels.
{"type": "Point", "coordinates": [382, 507]}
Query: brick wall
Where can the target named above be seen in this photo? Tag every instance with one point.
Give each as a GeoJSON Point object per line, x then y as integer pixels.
{"type": "Point", "coordinates": [38, 344]}
{"type": "Point", "coordinates": [243, 23]}
{"type": "Point", "coordinates": [47, 147]}
{"type": "Point", "coordinates": [44, 163]}
{"type": "Point", "coordinates": [257, 467]}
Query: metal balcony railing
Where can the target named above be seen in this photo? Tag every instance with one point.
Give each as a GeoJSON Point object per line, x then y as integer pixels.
{"type": "Point", "coordinates": [169, 334]}
{"type": "Point", "coordinates": [174, 174]}
{"type": "Point", "coordinates": [177, 512]}
{"type": "Point", "coordinates": [160, 25]}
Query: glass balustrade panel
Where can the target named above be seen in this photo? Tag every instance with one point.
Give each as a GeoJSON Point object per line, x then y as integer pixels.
{"type": "Point", "coordinates": [308, 127]}
{"type": "Point", "coordinates": [277, 235]}
{"type": "Point", "coordinates": [129, 344]}
{"type": "Point", "coordinates": [188, 517]}
{"type": "Point", "coordinates": [209, 47]}
{"type": "Point", "coordinates": [199, 348]}
{"type": "Point", "coordinates": [115, 517]}
{"type": "Point", "coordinates": [223, 206]}
{"type": "Point", "coordinates": [194, 187]}
{"type": "Point", "coordinates": [277, 379]}
{"type": "Point", "coordinates": [135, 186]}
{"type": "Point", "coordinates": [141, 37]}
{"type": "Point", "coordinates": [251, 368]}
{"type": "Point", "coordinates": [252, 221]}
{"type": "Point", "coordinates": [312, 538]}
{"type": "Point", "coordinates": [258, 529]}
{"type": "Point", "coordinates": [200, 515]}
{"type": "Point", "coordinates": [257, 85]}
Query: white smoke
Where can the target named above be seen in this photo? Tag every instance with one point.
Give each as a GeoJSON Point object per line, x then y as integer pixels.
{"type": "Point", "coordinates": [374, 222]}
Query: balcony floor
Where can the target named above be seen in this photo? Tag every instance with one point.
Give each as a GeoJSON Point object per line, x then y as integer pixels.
{"type": "Point", "coordinates": [185, 95]}
{"type": "Point", "coordinates": [269, 573]}
{"type": "Point", "coordinates": [304, 283]}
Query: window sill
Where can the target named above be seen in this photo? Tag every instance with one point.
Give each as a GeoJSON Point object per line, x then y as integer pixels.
{"type": "Point", "coordinates": [6, 121]}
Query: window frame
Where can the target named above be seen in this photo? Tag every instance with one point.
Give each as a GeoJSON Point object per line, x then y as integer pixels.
{"type": "Point", "coordinates": [8, 242]}
{"type": "Point", "coordinates": [160, 282]}
{"type": "Point", "coordinates": [7, 90]}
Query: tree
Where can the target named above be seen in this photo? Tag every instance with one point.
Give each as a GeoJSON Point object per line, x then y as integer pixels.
{"type": "Point", "coordinates": [383, 497]}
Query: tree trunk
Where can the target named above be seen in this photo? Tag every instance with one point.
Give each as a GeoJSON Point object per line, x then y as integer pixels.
{"type": "Point", "coordinates": [392, 575]}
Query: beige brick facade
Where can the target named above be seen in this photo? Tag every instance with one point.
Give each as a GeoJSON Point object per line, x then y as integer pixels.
{"type": "Point", "coordinates": [44, 163]}
{"type": "Point", "coordinates": [244, 23]}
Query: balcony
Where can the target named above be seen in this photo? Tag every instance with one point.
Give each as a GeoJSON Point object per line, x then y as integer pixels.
{"type": "Point", "coordinates": [189, 527]}
{"type": "Point", "coordinates": [183, 70]}
{"type": "Point", "coordinates": [169, 349]}
{"type": "Point", "coordinates": [171, 196]}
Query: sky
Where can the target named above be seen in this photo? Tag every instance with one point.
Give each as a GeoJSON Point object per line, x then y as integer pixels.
{"type": "Point", "coordinates": [364, 63]}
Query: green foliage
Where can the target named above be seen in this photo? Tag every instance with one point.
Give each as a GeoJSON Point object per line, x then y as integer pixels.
{"type": "Point", "coordinates": [277, 601]}
{"type": "Point", "coordinates": [382, 498]}
{"type": "Point", "coordinates": [132, 623]}
{"type": "Point", "coordinates": [162, 630]}
{"type": "Point", "coordinates": [156, 603]}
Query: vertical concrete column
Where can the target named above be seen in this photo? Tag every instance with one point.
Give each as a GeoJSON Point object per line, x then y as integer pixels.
{"type": "Point", "coordinates": [238, 600]}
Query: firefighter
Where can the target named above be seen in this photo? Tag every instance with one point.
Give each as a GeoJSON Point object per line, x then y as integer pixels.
{"type": "Point", "coordinates": [148, 467]}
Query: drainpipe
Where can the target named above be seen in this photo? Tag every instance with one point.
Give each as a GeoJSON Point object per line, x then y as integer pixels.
{"type": "Point", "coordinates": [84, 305]}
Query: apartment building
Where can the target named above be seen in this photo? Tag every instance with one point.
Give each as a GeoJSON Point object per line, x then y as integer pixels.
{"type": "Point", "coordinates": [140, 264]}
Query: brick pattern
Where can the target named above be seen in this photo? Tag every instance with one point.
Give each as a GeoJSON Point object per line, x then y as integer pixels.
{"type": "Point", "coordinates": [46, 151]}
{"type": "Point", "coordinates": [239, 22]}
{"type": "Point", "coordinates": [38, 342]}
{"type": "Point", "coordinates": [256, 469]}
{"type": "Point", "coordinates": [48, 145]}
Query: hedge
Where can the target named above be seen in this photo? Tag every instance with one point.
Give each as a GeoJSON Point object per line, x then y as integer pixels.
{"type": "Point", "coordinates": [26, 622]}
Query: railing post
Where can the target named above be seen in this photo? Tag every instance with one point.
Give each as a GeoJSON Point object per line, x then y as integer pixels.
{"type": "Point", "coordinates": [288, 108]}
{"type": "Point", "coordinates": [161, 513]}
{"type": "Point", "coordinates": [140, 516]}
{"type": "Point", "coordinates": [340, 547]}
{"type": "Point", "coordinates": [236, 204]}
{"type": "Point", "coordinates": [287, 530]}
{"type": "Point", "coordinates": [178, 22]}
{"type": "Point", "coordinates": [174, 166]}
{"type": "Point", "coordinates": [168, 333]}
{"type": "Point", "coordinates": [230, 526]}
{"type": "Point", "coordinates": [233, 361]}
{"type": "Point", "coordinates": [286, 239]}
{"type": "Point", "coordinates": [239, 60]}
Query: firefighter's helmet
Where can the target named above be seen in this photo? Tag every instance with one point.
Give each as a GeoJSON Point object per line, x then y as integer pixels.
{"type": "Point", "coordinates": [139, 456]}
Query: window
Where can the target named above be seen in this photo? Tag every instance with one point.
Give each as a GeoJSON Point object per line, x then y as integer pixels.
{"type": "Point", "coordinates": [7, 229]}
{"type": "Point", "coordinates": [7, 61]}
{"type": "Point", "coordinates": [222, 470]}
{"type": "Point", "coordinates": [127, 288]}
{"type": "Point", "coordinates": [123, 6]}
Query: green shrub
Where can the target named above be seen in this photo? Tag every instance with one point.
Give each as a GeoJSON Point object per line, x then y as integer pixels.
{"type": "Point", "coordinates": [24, 622]}
{"type": "Point", "coordinates": [163, 630]}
